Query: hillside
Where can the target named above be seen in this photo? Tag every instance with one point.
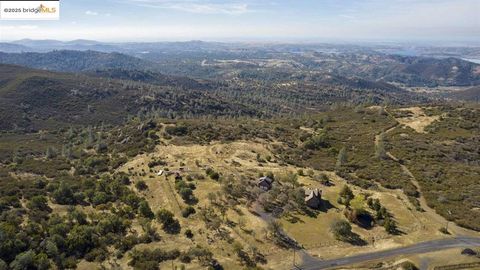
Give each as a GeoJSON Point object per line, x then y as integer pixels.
{"type": "Point", "coordinates": [75, 61]}
{"type": "Point", "coordinates": [13, 48]}
{"type": "Point", "coordinates": [470, 94]}
{"type": "Point", "coordinates": [450, 71]}
{"type": "Point", "coordinates": [34, 99]}
{"type": "Point", "coordinates": [150, 77]}
{"type": "Point", "coordinates": [158, 192]}
{"type": "Point", "coordinates": [407, 70]}
{"type": "Point", "coordinates": [112, 95]}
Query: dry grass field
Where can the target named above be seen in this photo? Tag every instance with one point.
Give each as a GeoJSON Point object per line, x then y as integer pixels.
{"type": "Point", "coordinates": [313, 233]}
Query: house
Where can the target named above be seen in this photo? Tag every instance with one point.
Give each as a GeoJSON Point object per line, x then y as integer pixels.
{"type": "Point", "coordinates": [265, 183]}
{"type": "Point", "coordinates": [313, 198]}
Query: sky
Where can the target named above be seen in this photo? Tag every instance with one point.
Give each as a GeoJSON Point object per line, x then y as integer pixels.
{"type": "Point", "coordinates": [257, 20]}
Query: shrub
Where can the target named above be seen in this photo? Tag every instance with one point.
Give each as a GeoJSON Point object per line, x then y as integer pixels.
{"type": "Point", "coordinates": [141, 185]}
{"type": "Point", "coordinates": [101, 147]}
{"type": "Point", "coordinates": [189, 234]}
{"type": "Point", "coordinates": [186, 193]}
{"type": "Point", "coordinates": [100, 198]}
{"type": "Point", "coordinates": [156, 162]}
{"type": "Point", "coordinates": [38, 203]}
{"type": "Point", "coordinates": [341, 229]}
{"type": "Point", "coordinates": [444, 230]}
{"type": "Point", "coordinates": [177, 130]}
{"type": "Point", "coordinates": [63, 194]}
{"type": "Point", "coordinates": [316, 142]}
{"type": "Point", "coordinates": [408, 266]}
{"type": "Point", "coordinates": [169, 223]}
{"type": "Point", "coordinates": [346, 194]}
{"type": "Point", "coordinates": [189, 210]}
{"type": "Point", "coordinates": [149, 259]}
{"type": "Point", "coordinates": [390, 225]}
{"type": "Point", "coordinates": [144, 210]}
{"type": "Point", "coordinates": [123, 178]}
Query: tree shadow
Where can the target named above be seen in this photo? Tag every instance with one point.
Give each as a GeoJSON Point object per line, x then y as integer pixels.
{"type": "Point", "coordinates": [294, 219]}
{"type": "Point", "coordinates": [192, 200]}
{"type": "Point", "coordinates": [365, 221]}
{"type": "Point", "coordinates": [326, 205]}
{"type": "Point", "coordinates": [398, 232]}
{"type": "Point", "coordinates": [260, 258]}
{"type": "Point", "coordinates": [311, 212]}
{"type": "Point", "coordinates": [355, 239]}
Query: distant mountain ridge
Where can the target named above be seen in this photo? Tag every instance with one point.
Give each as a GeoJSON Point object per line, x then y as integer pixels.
{"type": "Point", "coordinates": [189, 58]}
{"type": "Point", "coordinates": [75, 61]}
{"type": "Point", "coordinates": [13, 48]}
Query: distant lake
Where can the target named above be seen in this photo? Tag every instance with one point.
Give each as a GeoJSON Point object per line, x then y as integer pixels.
{"type": "Point", "coordinates": [476, 61]}
{"type": "Point", "coordinates": [406, 52]}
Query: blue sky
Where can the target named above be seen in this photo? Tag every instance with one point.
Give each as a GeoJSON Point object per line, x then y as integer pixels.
{"type": "Point", "coordinates": [249, 20]}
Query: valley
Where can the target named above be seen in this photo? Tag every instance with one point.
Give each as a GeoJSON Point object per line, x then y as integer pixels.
{"type": "Point", "coordinates": [221, 156]}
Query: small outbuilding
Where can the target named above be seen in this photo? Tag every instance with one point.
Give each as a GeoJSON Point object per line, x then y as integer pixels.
{"type": "Point", "coordinates": [313, 198]}
{"type": "Point", "coordinates": [265, 183]}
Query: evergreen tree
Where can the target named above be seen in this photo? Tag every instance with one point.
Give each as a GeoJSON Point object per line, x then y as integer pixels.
{"type": "Point", "coordinates": [50, 153]}
{"type": "Point", "coordinates": [390, 225]}
{"type": "Point", "coordinates": [346, 194]}
{"type": "Point", "coordinates": [90, 137]}
{"type": "Point", "coordinates": [342, 157]}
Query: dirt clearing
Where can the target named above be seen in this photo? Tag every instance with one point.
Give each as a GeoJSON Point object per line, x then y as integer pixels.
{"type": "Point", "coordinates": [417, 120]}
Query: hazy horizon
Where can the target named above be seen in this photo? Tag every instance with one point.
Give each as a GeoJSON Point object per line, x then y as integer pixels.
{"type": "Point", "coordinates": [351, 21]}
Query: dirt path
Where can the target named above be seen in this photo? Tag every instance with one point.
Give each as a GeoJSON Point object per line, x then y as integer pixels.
{"type": "Point", "coordinates": [429, 213]}
{"type": "Point", "coordinates": [171, 195]}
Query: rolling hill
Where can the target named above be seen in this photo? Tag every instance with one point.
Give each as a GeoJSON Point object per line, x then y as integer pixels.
{"type": "Point", "coordinates": [449, 71]}
{"type": "Point", "coordinates": [470, 94]}
{"type": "Point", "coordinates": [151, 78]}
{"type": "Point", "coordinates": [407, 70]}
{"type": "Point", "coordinates": [75, 61]}
{"type": "Point", "coordinates": [34, 99]}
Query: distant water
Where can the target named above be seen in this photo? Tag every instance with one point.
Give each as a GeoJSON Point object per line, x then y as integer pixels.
{"type": "Point", "coordinates": [476, 61]}
{"type": "Point", "coordinates": [406, 52]}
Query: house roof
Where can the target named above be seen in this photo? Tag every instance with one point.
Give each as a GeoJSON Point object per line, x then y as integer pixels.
{"type": "Point", "coordinates": [312, 193]}
{"type": "Point", "coordinates": [265, 179]}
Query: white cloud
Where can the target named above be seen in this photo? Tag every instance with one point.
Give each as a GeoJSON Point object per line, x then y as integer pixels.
{"type": "Point", "coordinates": [19, 27]}
{"type": "Point", "coordinates": [195, 6]}
{"type": "Point", "coordinates": [91, 13]}
{"type": "Point", "coordinates": [95, 13]}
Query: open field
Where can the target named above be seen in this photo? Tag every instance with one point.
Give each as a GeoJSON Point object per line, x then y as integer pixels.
{"type": "Point", "coordinates": [239, 159]}
{"type": "Point", "coordinates": [416, 119]}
